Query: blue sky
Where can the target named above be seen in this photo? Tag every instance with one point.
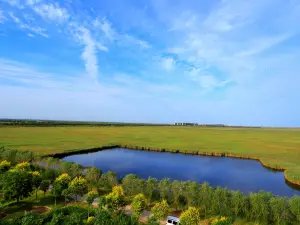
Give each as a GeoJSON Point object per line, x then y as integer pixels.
{"type": "Point", "coordinates": [218, 61]}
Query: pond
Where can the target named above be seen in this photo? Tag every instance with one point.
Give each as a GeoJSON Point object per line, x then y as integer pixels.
{"type": "Point", "coordinates": [235, 174]}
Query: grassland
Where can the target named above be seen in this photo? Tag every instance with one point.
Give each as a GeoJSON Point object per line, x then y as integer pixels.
{"type": "Point", "coordinates": [276, 148]}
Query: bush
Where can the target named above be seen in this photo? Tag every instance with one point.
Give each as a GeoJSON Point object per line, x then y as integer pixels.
{"type": "Point", "coordinates": [90, 220]}
{"type": "Point", "coordinates": [190, 217]}
{"type": "Point", "coordinates": [139, 204]}
{"type": "Point", "coordinates": [4, 166]}
{"type": "Point", "coordinates": [222, 221]}
{"type": "Point", "coordinates": [32, 219]}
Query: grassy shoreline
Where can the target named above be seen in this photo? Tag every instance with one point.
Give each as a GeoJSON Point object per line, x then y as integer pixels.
{"type": "Point", "coordinates": [275, 148]}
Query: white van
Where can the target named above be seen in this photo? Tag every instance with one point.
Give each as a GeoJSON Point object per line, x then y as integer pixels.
{"type": "Point", "coordinates": [172, 220]}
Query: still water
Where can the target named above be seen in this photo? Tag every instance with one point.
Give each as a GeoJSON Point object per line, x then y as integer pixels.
{"type": "Point", "coordinates": [235, 174]}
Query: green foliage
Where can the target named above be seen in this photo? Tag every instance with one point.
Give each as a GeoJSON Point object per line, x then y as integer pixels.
{"type": "Point", "coordinates": [17, 184]}
{"type": "Point", "coordinates": [152, 220]}
{"type": "Point", "coordinates": [161, 209]}
{"type": "Point", "coordinates": [90, 220]}
{"type": "Point", "coordinates": [93, 175]}
{"type": "Point", "coordinates": [76, 170]}
{"type": "Point", "coordinates": [49, 174]}
{"type": "Point", "coordinates": [238, 201]}
{"type": "Point", "coordinates": [190, 217]}
{"type": "Point", "coordinates": [4, 166]}
{"type": "Point", "coordinates": [206, 194]}
{"type": "Point", "coordinates": [57, 219]}
{"type": "Point", "coordinates": [23, 166]}
{"type": "Point", "coordinates": [259, 209]}
{"type": "Point", "coordinates": [109, 179]}
{"type": "Point", "coordinates": [32, 219]}
{"type": "Point", "coordinates": [164, 187]}
{"type": "Point", "coordinates": [295, 207]}
{"type": "Point", "coordinates": [63, 180]}
{"type": "Point", "coordinates": [115, 199]}
{"type": "Point", "coordinates": [279, 209]}
{"type": "Point", "coordinates": [44, 186]}
{"type": "Point", "coordinates": [15, 156]}
{"type": "Point", "coordinates": [129, 183]}
{"type": "Point", "coordinates": [78, 186]}
{"type": "Point", "coordinates": [191, 191]}
{"type": "Point", "coordinates": [150, 187]}
{"type": "Point", "coordinates": [36, 179]}
{"type": "Point", "coordinates": [91, 196]}
{"type": "Point", "coordinates": [139, 204]}
{"type": "Point", "coordinates": [221, 204]}
{"type": "Point", "coordinates": [222, 221]}
{"type": "Point", "coordinates": [177, 189]}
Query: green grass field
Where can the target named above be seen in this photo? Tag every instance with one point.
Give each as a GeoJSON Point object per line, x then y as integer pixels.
{"type": "Point", "coordinates": [274, 147]}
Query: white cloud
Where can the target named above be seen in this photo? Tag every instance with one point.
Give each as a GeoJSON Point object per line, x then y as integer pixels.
{"type": "Point", "coordinates": [131, 40]}
{"type": "Point", "coordinates": [168, 64]}
{"type": "Point", "coordinates": [106, 28]}
{"type": "Point", "coordinates": [24, 26]}
{"type": "Point", "coordinates": [89, 53]}
{"type": "Point", "coordinates": [52, 12]}
{"type": "Point", "coordinates": [30, 35]}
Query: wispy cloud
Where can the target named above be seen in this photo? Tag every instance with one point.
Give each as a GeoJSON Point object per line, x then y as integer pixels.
{"type": "Point", "coordinates": [106, 27]}
{"type": "Point", "coordinates": [25, 26]}
{"type": "Point", "coordinates": [52, 12]}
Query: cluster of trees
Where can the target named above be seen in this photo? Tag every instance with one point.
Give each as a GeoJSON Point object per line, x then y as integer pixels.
{"type": "Point", "coordinates": [260, 207]}
{"type": "Point", "coordinates": [20, 180]}
{"type": "Point", "coordinates": [48, 123]}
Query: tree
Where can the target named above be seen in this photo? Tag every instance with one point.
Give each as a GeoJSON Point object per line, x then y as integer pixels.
{"type": "Point", "coordinates": [91, 196]}
{"type": "Point", "coordinates": [205, 196]}
{"type": "Point", "coordinates": [49, 174]}
{"type": "Point", "coordinates": [130, 183]}
{"type": "Point", "coordinates": [161, 209]}
{"type": "Point", "coordinates": [44, 186]}
{"type": "Point", "coordinates": [66, 193]}
{"type": "Point", "coordinates": [279, 209]}
{"type": "Point", "coordinates": [139, 204]}
{"type": "Point", "coordinates": [164, 187]}
{"type": "Point", "coordinates": [259, 210]}
{"type": "Point", "coordinates": [176, 189]}
{"type": "Point", "coordinates": [36, 178]}
{"type": "Point", "coordinates": [17, 184]}
{"type": "Point", "coordinates": [115, 199]}
{"type": "Point", "coordinates": [295, 207]}
{"type": "Point", "coordinates": [61, 183]}
{"type": "Point", "coordinates": [221, 202]}
{"type": "Point", "coordinates": [76, 170]}
{"type": "Point", "coordinates": [93, 175]}
{"type": "Point", "coordinates": [4, 166]}
{"type": "Point", "coordinates": [78, 186]}
{"type": "Point", "coordinates": [190, 217]}
{"type": "Point", "coordinates": [109, 179]}
{"type": "Point", "coordinates": [238, 201]}
{"type": "Point", "coordinates": [150, 187]}
{"type": "Point", "coordinates": [191, 193]}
